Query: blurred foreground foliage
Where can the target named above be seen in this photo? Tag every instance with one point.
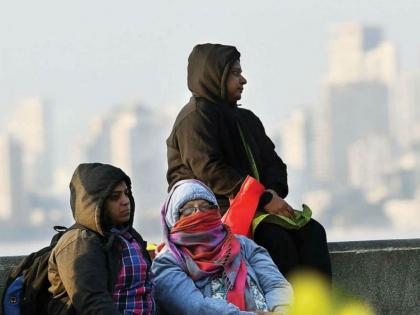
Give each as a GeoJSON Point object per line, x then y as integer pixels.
{"type": "Point", "coordinates": [314, 296]}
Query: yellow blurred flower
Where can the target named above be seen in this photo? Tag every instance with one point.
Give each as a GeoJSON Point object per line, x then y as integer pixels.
{"type": "Point", "coordinates": [355, 308]}
{"type": "Point", "coordinates": [311, 295]}
{"type": "Point", "coordinates": [314, 296]}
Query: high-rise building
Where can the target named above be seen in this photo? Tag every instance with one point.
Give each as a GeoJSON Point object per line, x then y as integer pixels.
{"type": "Point", "coordinates": [320, 148]}
{"type": "Point", "coordinates": [31, 126]}
{"type": "Point", "coordinates": [406, 112]}
{"type": "Point", "coordinates": [370, 163]}
{"type": "Point", "coordinates": [297, 148]}
{"type": "Point", "coordinates": [357, 110]}
{"type": "Point", "coordinates": [98, 147]}
{"type": "Point", "coordinates": [359, 53]}
{"type": "Point", "coordinates": [362, 70]}
{"type": "Point", "coordinates": [12, 192]}
{"type": "Point", "coordinates": [124, 139]}
{"type": "Point", "coordinates": [294, 135]}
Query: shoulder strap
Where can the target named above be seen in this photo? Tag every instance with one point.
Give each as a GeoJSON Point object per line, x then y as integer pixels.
{"type": "Point", "coordinates": [61, 230]}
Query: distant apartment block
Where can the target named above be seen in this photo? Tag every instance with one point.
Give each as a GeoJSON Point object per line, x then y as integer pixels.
{"type": "Point", "coordinates": [32, 127]}
{"type": "Point", "coordinates": [12, 192]}
{"type": "Point", "coordinates": [362, 70]}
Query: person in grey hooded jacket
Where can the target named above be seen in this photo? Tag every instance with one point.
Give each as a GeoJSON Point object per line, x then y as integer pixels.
{"type": "Point", "coordinates": [205, 269]}
{"type": "Point", "coordinates": [100, 267]}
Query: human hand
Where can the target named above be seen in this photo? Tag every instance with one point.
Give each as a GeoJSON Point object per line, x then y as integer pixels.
{"type": "Point", "coordinates": [279, 206]}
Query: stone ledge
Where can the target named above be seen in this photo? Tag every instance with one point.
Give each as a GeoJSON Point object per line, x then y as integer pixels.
{"type": "Point", "coordinates": [400, 244]}
{"type": "Point", "coordinates": [385, 273]}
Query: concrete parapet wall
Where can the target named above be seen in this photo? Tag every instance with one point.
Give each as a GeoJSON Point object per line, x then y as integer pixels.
{"type": "Point", "coordinates": [384, 273]}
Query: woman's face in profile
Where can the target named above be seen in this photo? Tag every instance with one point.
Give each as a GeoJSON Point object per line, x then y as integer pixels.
{"type": "Point", "coordinates": [117, 205]}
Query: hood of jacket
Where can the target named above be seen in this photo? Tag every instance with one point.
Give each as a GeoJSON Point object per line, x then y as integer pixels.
{"type": "Point", "coordinates": [208, 69]}
{"type": "Point", "coordinates": [90, 185]}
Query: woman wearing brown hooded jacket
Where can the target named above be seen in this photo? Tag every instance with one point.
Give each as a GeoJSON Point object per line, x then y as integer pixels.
{"type": "Point", "coordinates": [219, 143]}
{"type": "Point", "coordinates": [100, 267]}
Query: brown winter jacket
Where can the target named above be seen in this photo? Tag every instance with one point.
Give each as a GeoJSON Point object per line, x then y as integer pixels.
{"type": "Point", "coordinates": [84, 265]}
{"type": "Point", "coordinates": [205, 142]}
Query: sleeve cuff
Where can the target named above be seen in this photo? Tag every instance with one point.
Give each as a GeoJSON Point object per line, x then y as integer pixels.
{"type": "Point", "coordinates": [265, 198]}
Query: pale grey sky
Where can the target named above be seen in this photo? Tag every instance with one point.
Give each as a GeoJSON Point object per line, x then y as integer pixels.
{"type": "Point", "coordinates": [87, 56]}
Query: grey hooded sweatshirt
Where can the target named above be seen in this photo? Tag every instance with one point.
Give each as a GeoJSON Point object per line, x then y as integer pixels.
{"type": "Point", "coordinates": [84, 265]}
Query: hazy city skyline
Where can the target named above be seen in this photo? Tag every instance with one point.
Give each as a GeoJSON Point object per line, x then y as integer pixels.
{"type": "Point", "coordinates": [86, 57]}
{"type": "Point", "coordinates": [125, 89]}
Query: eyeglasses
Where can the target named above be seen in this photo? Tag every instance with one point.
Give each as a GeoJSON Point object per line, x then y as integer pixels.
{"type": "Point", "coordinates": [203, 208]}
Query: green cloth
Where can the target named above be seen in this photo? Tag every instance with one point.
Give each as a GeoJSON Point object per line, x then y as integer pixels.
{"type": "Point", "coordinates": [249, 155]}
{"type": "Point", "coordinates": [300, 218]}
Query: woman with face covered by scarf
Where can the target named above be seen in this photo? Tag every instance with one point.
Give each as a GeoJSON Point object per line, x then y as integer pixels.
{"type": "Point", "coordinates": [204, 268]}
